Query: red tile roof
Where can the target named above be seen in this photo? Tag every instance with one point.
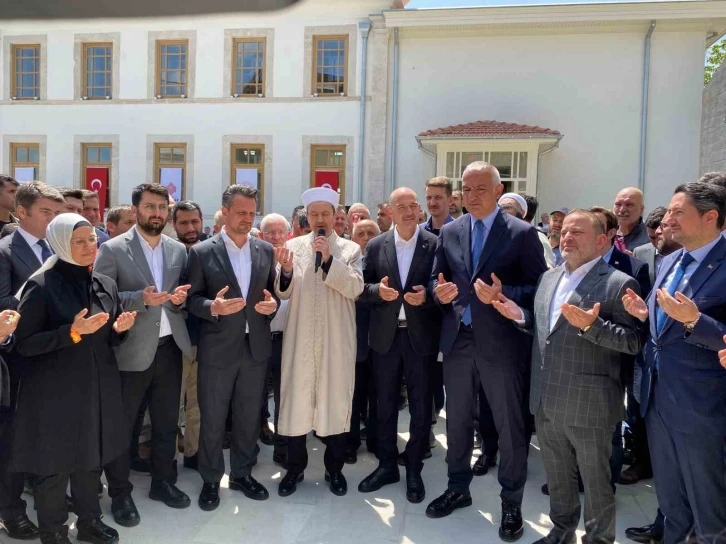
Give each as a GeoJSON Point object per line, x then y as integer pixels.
{"type": "Point", "coordinates": [488, 129]}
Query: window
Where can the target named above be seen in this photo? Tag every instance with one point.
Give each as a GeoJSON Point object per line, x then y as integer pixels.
{"type": "Point", "coordinates": [26, 72]}
{"type": "Point", "coordinates": [330, 66]}
{"type": "Point", "coordinates": [248, 71]}
{"type": "Point", "coordinates": [97, 166]}
{"type": "Point", "coordinates": [327, 167]}
{"type": "Point", "coordinates": [512, 166]}
{"type": "Point", "coordinates": [171, 68]}
{"type": "Point", "coordinates": [97, 66]}
{"type": "Point", "coordinates": [170, 164]}
{"type": "Point", "coordinates": [248, 168]}
{"type": "Point", "coordinates": [25, 161]}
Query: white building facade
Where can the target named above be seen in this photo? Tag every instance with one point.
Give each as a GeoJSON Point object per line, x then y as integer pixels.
{"type": "Point", "coordinates": [358, 95]}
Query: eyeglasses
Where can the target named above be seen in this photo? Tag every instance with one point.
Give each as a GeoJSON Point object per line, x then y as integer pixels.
{"type": "Point", "coordinates": [90, 241]}
{"type": "Point", "coordinates": [273, 233]}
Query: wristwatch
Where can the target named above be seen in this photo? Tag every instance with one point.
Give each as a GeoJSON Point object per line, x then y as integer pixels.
{"type": "Point", "coordinates": [692, 324]}
{"type": "Point", "coordinates": [583, 331]}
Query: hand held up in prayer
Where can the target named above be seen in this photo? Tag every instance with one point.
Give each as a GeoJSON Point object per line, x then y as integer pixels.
{"type": "Point", "coordinates": [180, 294]}
{"type": "Point", "coordinates": [508, 308]}
{"type": "Point", "coordinates": [151, 298]}
{"type": "Point", "coordinates": [722, 355]}
{"type": "Point", "coordinates": [635, 305]}
{"type": "Point", "coordinates": [322, 245]}
{"type": "Point", "coordinates": [418, 297]}
{"type": "Point", "coordinates": [579, 318]}
{"type": "Point", "coordinates": [681, 308]}
{"type": "Point", "coordinates": [83, 326]}
{"type": "Point", "coordinates": [8, 323]}
{"type": "Point", "coordinates": [267, 306]}
{"type": "Point", "coordinates": [445, 291]}
{"type": "Point", "coordinates": [222, 306]}
{"type": "Point", "coordinates": [488, 293]}
{"type": "Point", "coordinates": [124, 322]}
{"type": "Point", "coordinates": [284, 257]}
{"type": "Point", "coordinates": [386, 293]}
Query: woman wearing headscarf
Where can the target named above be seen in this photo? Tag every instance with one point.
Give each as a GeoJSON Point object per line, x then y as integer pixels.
{"type": "Point", "coordinates": [69, 420]}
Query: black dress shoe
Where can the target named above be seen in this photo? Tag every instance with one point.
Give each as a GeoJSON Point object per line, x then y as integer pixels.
{"type": "Point", "coordinates": [70, 504]}
{"type": "Point", "coordinates": [20, 528]}
{"type": "Point", "coordinates": [96, 532]}
{"type": "Point", "coordinates": [250, 487]}
{"type": "Point", "coordinates": [55, 538]}
{"type": "Point", "coordinates": [288, 484]}
{"type": "Point", "coordinates": [266, 434]}
{"type": "Point", "coordinates": [351, 457]}
{"type": "Point", "coordinates": [415, 490]}
{"type": "Point", "coordinates": [483, 464]}
{"type": "Point", "coordinates": [378, 478]}
{"type": "Point", "coordinates": [447, 503]}
{"type": "Point", "coordinates": [646, 534]}
{"type": "Point", "coordinates": [209, 497]}
{"type": "Point", "coordinates": [192, 461]}
{"type": "Point", "coordinates": [512, 527]}
{"type": "Point", "coordinates": [169, 494]}
{"type": "Point", "coordinates": [338, 483]}
{"type": "Point", "coordinates": [634, 474]}
{"type": "Point", "coordinates": [140, 465]}
{"type": "Point", "coordinates": [124, 511]}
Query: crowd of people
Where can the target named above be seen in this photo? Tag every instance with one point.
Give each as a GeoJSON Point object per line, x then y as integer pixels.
{"type": "Point", "coordinates": [598, 330]}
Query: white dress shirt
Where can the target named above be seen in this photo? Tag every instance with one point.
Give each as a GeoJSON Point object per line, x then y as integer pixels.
{"type": "Point", "coordinates": [155, 259]}
{"type": "Point", "coordinates": [566, 286]}
{"type": "Point", "coordinates": [241, 259]}
{"type": "Point", "coordinates": [698, 256]}
{"type": "Point", "coordinates": [33, 243]}
{"type": "Point", "coordinates": [404, 255]}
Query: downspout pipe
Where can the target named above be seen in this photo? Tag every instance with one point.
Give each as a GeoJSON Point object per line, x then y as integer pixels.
{"type": "Point", "coordinates": [364, 27]}
{"type": "Point", "coordinates": [394, 116]}
{"type": "Point", "coordinates": [539, 165]}
{"type": "Point", "coordinates": [644, 107]}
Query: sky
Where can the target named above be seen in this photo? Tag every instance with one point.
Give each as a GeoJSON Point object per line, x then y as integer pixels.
{"type": "Point", "coordinates": [413, 4]}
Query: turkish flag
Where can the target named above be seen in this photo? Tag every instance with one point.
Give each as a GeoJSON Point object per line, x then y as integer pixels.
{"type": "Point", "coordinates": [97, 181]}
{"type": "Point", "coordinates": [328, 179]}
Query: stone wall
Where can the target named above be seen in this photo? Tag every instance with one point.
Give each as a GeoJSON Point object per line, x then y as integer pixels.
{"type": "Point", "coordinates": [713, 124]}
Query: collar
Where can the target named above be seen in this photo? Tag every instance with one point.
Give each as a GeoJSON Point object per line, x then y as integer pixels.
{"type": "Point", "coordinates": [582, 270]}
{"type": "Point", "coordinates": [400, 242]}
{"type": "Point", "coordinates": [636, 229]}
{"type": "Point", "coordinates": [702, 252]}
{"type": "Point", "coordinates": [488, 220]}
{"type": "Point", "coordinates": [145, 242]}
{"type": "Point", "coordinates": [228, 241]}
{"type": "Point", "coordinates": [609, 254]}
{"type": "Point", "coordinates": [29, 238]}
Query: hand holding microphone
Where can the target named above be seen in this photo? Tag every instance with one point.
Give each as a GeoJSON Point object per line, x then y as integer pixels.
{"type": "Point", "coordinates": [321, 246]}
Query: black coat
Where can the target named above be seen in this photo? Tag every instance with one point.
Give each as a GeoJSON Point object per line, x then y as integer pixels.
{"type": "Point", "coordinates": [70, 413]}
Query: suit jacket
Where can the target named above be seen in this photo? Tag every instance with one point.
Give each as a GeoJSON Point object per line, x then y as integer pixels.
{"type": "Point", "coordinates": [692, 380]}
{"type": "Point", "coordinates": [514, 253]}
{"type": "Point", "coordinates": [123, 260]}
{"type": "Point", "coordinates": [362, 326]}
{"type": "Point", "coordinates": [209, 270]}
{"type": "Point", "coordinates": [17, 264]}
{"type": "Point", "coordinates": [423, 322]}
{"type": "Point", "coordinates": [576, 375]}
{"type": "Point", "coordinates": [646, 254]}
{"type": "Point", "coordinates": [635, 268]}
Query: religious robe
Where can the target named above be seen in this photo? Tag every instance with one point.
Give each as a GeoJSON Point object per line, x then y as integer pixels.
{"type": "Point", "coordinates": [319, 345]}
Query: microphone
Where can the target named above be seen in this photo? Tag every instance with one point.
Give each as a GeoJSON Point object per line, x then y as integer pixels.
{"type": "Point", "coordinates": [318, 254]}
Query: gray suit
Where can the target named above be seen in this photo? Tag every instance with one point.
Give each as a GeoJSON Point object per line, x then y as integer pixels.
{"type": "Point", "coordinates": [123, 260]}
{"type": "Point", "coordinates": [646, 253]}
{"type": "Point", "coordinates": [577, 398]}
{"type": "Point", "coordinates": [17, 263]}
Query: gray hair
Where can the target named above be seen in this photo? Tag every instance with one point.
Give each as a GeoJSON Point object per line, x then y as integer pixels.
{"type": "Point", "coordinates": [274, 217]}
{"type": "Point", "coordinates": [359, 223]}
{"type": "Point", "coordinates": [483, 166]}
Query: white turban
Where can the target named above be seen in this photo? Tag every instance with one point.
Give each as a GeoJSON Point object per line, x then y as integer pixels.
{"type": "Point", "coordinates": [321, 194]}
{"type": "Point", "coordinates": [518, 198]}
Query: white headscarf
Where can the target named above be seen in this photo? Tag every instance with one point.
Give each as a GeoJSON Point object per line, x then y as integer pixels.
{"type": "Point", "coordinates": [519, 199]}
{"type": "Point", "coordinates": [58, 235]}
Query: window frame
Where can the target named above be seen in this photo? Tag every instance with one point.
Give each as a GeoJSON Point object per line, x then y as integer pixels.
{"type": "Point", "coordinates": [314, 80]}
{"type": "Point", "coordinates": [14, 70]}
{"type": "Point", "coordinates": [84, 70]}
{"type": "Point", "coordinates": [330, 147]}
{"type": "Point", "coordinates": [14, 164]}
{"type": "Point", "coordinates": [85, 164]}
{"type": "Point", "coordinates": [233, 164]}
{"type": "Point", "coordinates": [159, 43]}
{"type": "Point", "coordinates": [158, 165]}
{"type": "Point", "coordinates": [262, 84]}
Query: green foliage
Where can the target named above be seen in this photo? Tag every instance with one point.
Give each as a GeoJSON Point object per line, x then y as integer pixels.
{"type": "Point", "coordinates": [714, 57]}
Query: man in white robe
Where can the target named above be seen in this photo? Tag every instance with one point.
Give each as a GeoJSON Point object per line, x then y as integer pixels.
{"type": "Point", "coordinates": [319, 346]}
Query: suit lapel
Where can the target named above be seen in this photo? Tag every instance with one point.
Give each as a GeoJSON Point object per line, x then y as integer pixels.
{"type": "Point", "coordinates": [254, 261]}
{"type": "Point", "coordinates": [138, 257]}
{"type": "Point", "coordinates": [220, 253]}
{"type": "Point", "coordinates": [498, 229]}
{"type": "Point", "coordinates": [552, 282]}
{"type": "Point", "coordinates": [168, 252]}
{"type": "Point", "coordinates": [24, 253]}
{"type": "Point", "coordinates": [465, 243]}
{"type": "Point", "coordinates": [422, 247]}
{"type": "Point", "coordinates": [588, 283]}
{"type": "Point", "coordinates": [389, 248]}
{"type": "Point", "coordinates": [665, 268]}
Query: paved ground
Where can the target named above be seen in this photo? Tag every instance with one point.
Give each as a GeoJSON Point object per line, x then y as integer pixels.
{"type": "Point", "coordinates": [313, 515]}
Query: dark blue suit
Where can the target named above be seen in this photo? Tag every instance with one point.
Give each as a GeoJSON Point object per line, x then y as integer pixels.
{"type": "Point", "coordinates": [684, 403]}
{"type": "Point", "coordinates": [491, 352]}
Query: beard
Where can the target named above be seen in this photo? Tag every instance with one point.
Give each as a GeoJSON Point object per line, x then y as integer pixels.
{"type": "Point", "coordinates": [149, 228]}
{"type": "Point", "coordinates": [189, 238]}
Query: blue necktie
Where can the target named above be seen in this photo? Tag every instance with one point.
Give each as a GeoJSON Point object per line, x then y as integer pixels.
{"type": "Point", "coordinates": [476, 248]}
{"type": "Point", "coordinates": [660, 315]}
{"type": "Point", "coordinates": [45, 252]}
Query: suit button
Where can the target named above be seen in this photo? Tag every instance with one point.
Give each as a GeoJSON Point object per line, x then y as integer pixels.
{"type": "Point", "coordinates": [542, 367]}
{"type": "Point", "coordinates": [158, 324]}
{"type": "Point", "coordinates": [547, 342]}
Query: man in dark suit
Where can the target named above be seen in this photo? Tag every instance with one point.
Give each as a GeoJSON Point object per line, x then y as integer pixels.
{"type": "Point", "coordinates": [21, 254]}
{"type": "Point", "coordinates": [650, 253]}
{"type": "Point", "coordinates": [232, 277]}
{"type": "Point", "coordinates": [478, 256]}
{"type": "Point", "coordinates": [403, 337]}
{"type": "Point", "coordinates": [683, 394]}
{"type": "Point", "coordinates": [580, 329]}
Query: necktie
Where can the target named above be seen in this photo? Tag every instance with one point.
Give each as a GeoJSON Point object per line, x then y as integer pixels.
{"type": "Point", "coordinates": [620, 243]}
{"type": "Point", "coordinates": [476, 248]}
{"type": "Point", "coordinates": [45, 252]}
{"type": "Point", "coordinates": [660, 315]}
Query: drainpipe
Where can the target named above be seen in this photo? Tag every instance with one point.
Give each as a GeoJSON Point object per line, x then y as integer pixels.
{"type": "Point", "coordinates": [539, 165]}
{"type": "Point", "coordinates": [364, 27]}
{"type": "Point", "coordinates": [644, 107]}
{"type": "Point", "coordinates": [394, 116]}
{"type": "Point", "coordinates": [429, 153]}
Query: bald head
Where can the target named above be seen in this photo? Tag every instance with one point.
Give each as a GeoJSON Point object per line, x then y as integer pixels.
{"type": "Point", "coordinates": [363, 232]}
{"type": "Point", "coordinates": [400, 192]}
{"type": "Point", "coordinates": [405, 211]}
{"type": "Point", "coordinates": [628, 208]}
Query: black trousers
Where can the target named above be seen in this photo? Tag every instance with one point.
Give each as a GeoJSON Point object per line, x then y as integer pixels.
{"type": "Point", "coordinates": [161, 385]}
{"type": "Point", "coordinates": [388, 369]}
{"type": "Point", "coordinates": [274, 369]}
{"type": "Point", "coordinates": [504, 386]}
{"type": "Point", "coordinates": [49, 494]}
{"type": "Point", "coordinates": [364, 395]}
{"type": "Point", "coordinates": [240, 386]}
{"type": "Point", "coordinates": [334, 458]}
{"type": "Point", "coordinates": [136, 431]}
{"type": "Point", "coordinates": [487, 429]}
{"type": "Point", "coordinates": [11, 483]}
